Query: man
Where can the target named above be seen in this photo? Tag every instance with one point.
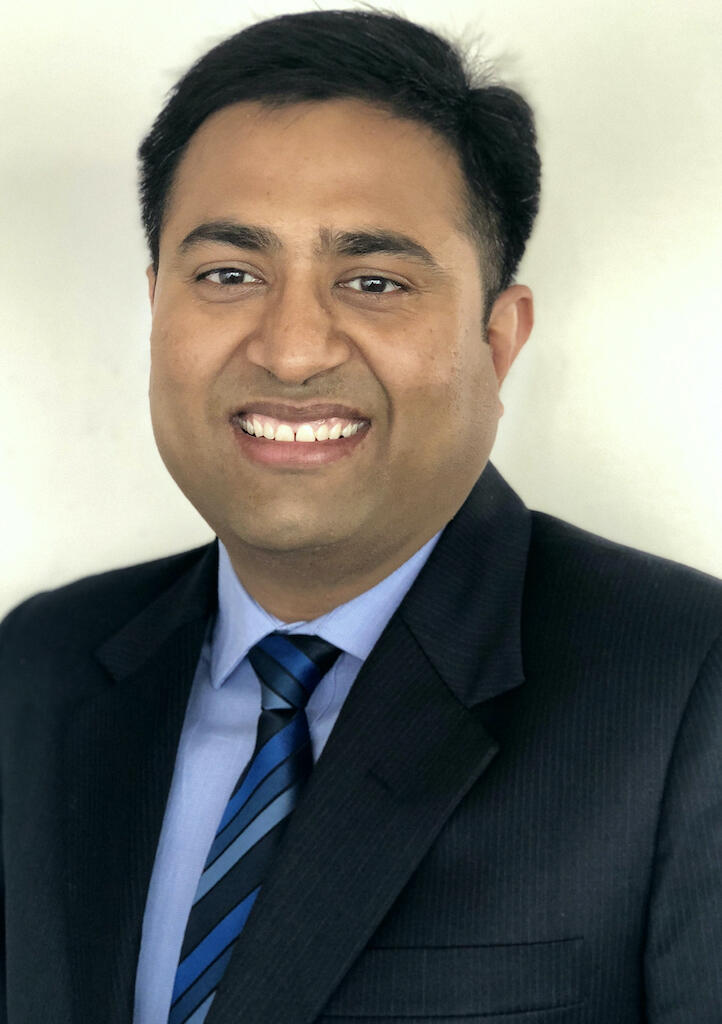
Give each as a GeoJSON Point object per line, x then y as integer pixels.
{"type": "Point", "coordinates": [514, 811]}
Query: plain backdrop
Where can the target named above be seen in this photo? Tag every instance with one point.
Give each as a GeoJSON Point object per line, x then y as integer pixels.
{"type": "Point", "coordinates": [612, 411]}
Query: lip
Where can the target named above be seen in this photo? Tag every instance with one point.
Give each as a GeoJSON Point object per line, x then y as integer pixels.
{"type": "Point", "coordinates": [300, 413]}
{"type": "Point", "coordinates": [296, 454]}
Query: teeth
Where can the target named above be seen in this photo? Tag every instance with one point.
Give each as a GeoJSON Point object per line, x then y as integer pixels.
{"type": "Point", "coordinates": [304, 433]}
{"type": "Point", "coordinates": [323, 430]}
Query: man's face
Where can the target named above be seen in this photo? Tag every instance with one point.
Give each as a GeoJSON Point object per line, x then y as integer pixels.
{"type": "Point", "coordinates": [297, 312]}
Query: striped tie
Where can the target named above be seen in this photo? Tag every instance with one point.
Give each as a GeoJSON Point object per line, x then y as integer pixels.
{"type": "Point", "coordinates": [289, 669]}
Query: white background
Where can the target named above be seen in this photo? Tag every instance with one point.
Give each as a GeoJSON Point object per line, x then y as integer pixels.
{"type": "Point", "coordinates": [612, 415]}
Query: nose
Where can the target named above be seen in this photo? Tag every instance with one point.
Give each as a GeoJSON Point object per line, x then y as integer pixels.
{"type": "Point", "coordinates": [297, 337]}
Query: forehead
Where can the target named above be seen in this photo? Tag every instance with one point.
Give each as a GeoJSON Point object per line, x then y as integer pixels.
{"type": "Point", "coordinates": [315, 163]}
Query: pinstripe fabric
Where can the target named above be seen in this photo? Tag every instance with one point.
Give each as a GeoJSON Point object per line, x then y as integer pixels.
{"type": "Point", "coordinates": [575, 876]}
{"type": "Point", "coordinates": [289, 668]}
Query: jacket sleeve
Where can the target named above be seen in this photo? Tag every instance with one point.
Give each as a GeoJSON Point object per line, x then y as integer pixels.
{"type": "Point", "coordinates": [4, 629]}
{"type": "Point", "coordinates": [3, 970]}
{"type": "Point", "coordinates": [3, 987]}
{"type": "Point", "coordinates": [683, 950]}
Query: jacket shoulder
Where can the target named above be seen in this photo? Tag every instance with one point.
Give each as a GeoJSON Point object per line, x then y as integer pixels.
{"type": "Point", "coordinates": [593, 584]}
{"type": "Point", "coordinates": [95, 606]}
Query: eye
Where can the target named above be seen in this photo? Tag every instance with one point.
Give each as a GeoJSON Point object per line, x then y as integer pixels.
{"type": "Point", "coordinates": [224, 276]}
{"type": "Point", "coordinates": [374, 285]}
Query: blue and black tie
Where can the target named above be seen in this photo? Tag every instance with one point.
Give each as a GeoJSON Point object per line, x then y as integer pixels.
{"type": "Point", "coordinates": [289, 668]}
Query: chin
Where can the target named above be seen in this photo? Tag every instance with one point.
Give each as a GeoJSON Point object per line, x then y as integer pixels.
{"type": "Point", "coordinates": [291, 533]}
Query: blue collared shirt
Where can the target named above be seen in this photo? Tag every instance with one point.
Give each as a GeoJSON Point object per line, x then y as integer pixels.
{"type": "Point", "coordinates": [217, 740]}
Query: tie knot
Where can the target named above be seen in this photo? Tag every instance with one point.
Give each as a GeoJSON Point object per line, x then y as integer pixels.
{"type": "Point", "coordinates": [290, 666]}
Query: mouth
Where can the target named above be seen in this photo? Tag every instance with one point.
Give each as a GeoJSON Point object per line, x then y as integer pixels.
{"type": "Point", "coordinates": [306, 431]}
{"type": "Point", "coordinates": [298, 440]}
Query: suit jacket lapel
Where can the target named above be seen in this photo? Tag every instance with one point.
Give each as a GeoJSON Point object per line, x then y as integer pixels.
{"type": "Point", "coordinates": [120, 754]}
{"type": "Point", "coordinates": [409, 743]}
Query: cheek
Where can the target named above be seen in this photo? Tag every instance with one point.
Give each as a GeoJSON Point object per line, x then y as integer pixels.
{"type": "Point", "coordinates": [465, 410]}
{"type": "Point", "coordinates": [452, 376]}
{"type": "Point", "coordinates": [175, 396]}
{"type": "Point", "coordinates": [180, 364]}
{"type": "Point", "coordinates": [475, 385]}
{"type": "Point", "coordinates": [444, 408]}
{"type": "Point", "coordinates": [422, 364]}
{"type": "Point", "coordinates": [177, 400]}
{"type": "Point", "coordinates": [165, 371]}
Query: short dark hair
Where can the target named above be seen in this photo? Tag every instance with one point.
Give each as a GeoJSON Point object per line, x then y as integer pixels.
{"type": "Point", "coordinates": [386, 60]}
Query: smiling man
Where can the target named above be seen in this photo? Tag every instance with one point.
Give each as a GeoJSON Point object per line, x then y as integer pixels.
{"type": "Point", "coordinates": [392, 747]}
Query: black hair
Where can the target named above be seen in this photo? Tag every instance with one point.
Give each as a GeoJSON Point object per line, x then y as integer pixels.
{"type": "Point", "coordinates": [385, 60]}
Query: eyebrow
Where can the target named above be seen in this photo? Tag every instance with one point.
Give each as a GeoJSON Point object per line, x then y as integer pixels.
{"type": "Point", "coordinates": [340, 243]}
{"type": "Point", "coordinates": [242, 236]}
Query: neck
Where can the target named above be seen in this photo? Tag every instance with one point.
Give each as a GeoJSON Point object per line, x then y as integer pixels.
{"type": "Point", "coordinates": [298, 586]}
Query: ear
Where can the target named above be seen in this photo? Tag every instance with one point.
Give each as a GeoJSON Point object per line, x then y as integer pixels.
{"type": "Point", "coordinates": [510, 323]}
{"type": "Point", "coordinates": [151, 275]}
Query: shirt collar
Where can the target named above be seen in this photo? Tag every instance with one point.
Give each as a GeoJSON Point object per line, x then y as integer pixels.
{"type": "Point", "coordinates": [354, 626]}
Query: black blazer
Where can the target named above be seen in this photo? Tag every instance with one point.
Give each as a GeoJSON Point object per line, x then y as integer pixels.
{"type": "Point", "coordinates": [517, 818]}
